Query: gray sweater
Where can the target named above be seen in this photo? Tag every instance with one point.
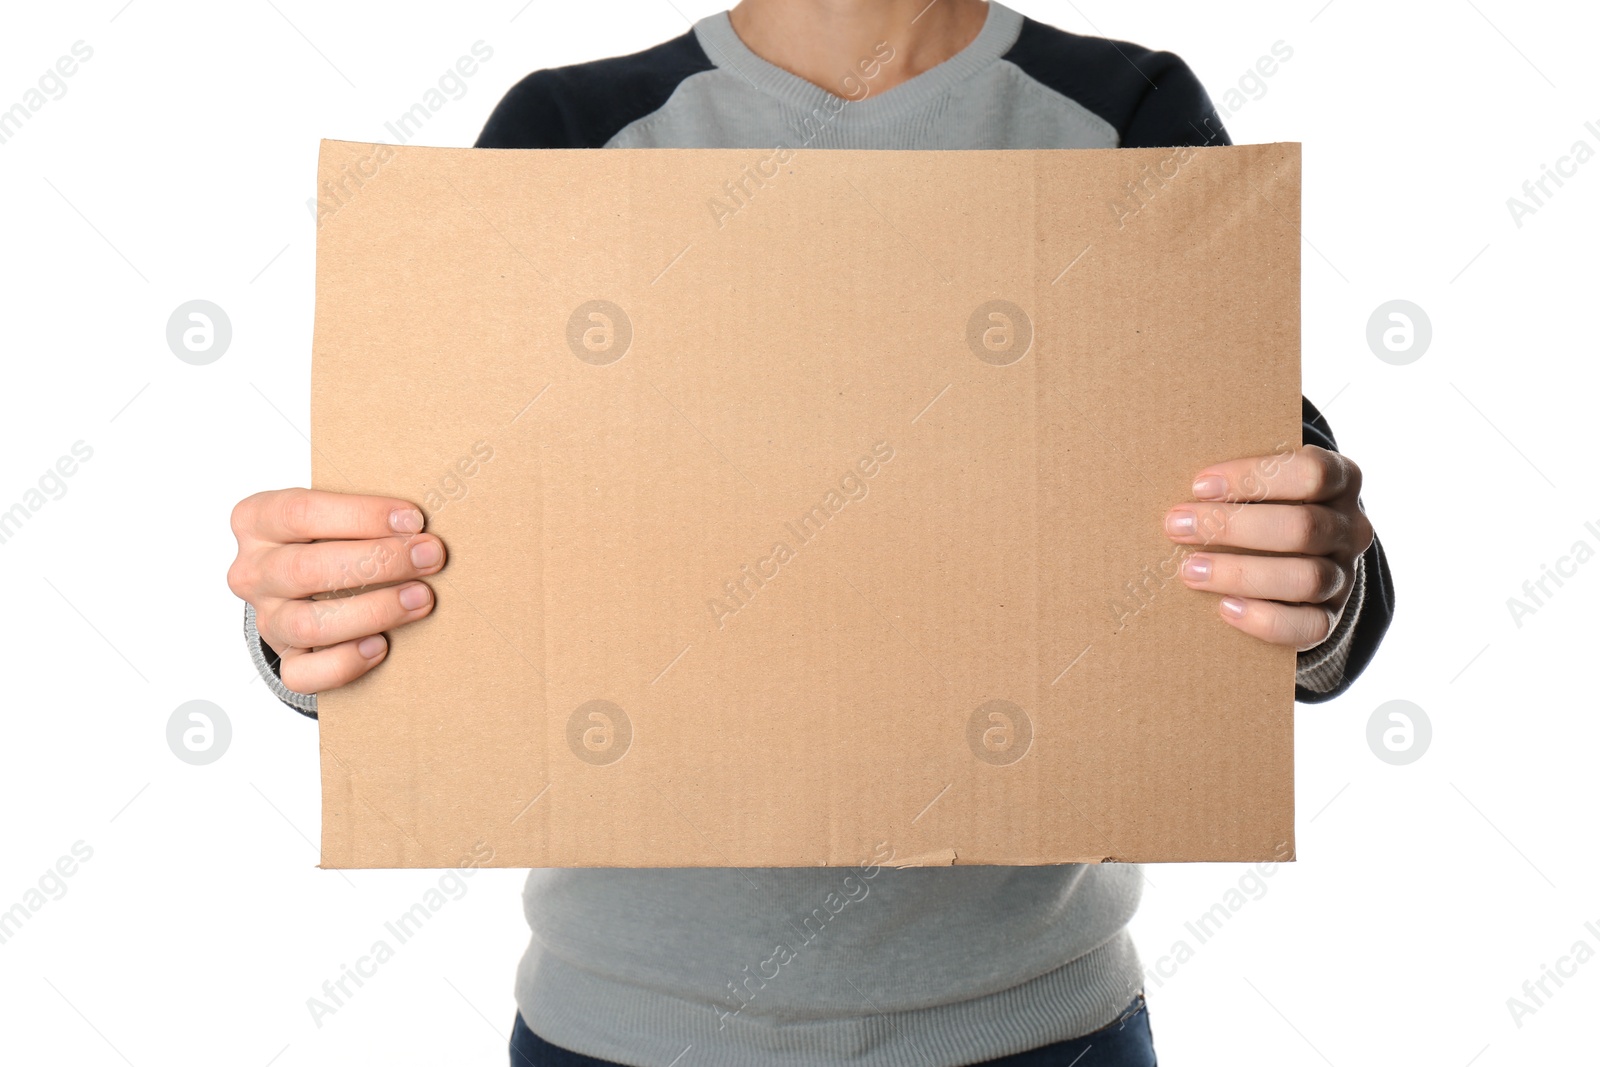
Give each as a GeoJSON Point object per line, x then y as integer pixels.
{"type": "Point", "coordinates": [866, 965]}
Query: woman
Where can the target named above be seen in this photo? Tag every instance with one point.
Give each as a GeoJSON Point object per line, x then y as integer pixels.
{"type": "Point", "coordinates": [927, 966]}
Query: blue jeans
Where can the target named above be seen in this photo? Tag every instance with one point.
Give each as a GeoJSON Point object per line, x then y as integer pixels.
{"type": "Point", "coordinates": [1124, 1043]}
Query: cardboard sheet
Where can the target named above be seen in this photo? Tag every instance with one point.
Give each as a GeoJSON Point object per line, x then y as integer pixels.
{"type": "Point", "coordinates": [799, 503]}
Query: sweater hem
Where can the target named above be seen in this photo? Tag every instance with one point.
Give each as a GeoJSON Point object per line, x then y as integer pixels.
{"type": "Point", "coordinates": [570, 1006]}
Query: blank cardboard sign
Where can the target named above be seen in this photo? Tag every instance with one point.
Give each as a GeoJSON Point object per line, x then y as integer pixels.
{"type": "Point", "coordinates": [800, 503]}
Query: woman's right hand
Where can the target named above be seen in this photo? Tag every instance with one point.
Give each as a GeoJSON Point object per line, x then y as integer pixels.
{"type": "Point", "coordinates": [297, 542]}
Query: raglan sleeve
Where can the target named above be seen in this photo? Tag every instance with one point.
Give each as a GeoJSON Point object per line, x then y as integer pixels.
{"type": "Point", "coordinates": [535, 113]}
{"type": "Point", "coordinates": [1173, 109]}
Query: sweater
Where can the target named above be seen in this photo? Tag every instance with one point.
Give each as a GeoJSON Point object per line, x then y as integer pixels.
{"type": "Point", "coordinates": [872, 965]}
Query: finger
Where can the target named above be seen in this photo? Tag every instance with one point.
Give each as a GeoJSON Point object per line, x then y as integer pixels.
{"type": "Point", "coordinates": [294, 571]}
{"type": "Point", "coordinates": [329, 668]}
{"type": "Point", "coordinates": [1303, 529]}
{"type": "Point", "coordinates": [1294, 579]}
{"type": "Point", "coordinates": [285, 516]}
{"type": "Point", "coordinates": [1309, 474]}
{"type": "Point", "coordinates": [1301, 625]}
{"type": "Point", "coordinates": [318, 623]}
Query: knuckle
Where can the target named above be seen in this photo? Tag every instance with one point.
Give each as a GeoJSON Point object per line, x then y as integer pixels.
{"type": "Point", "coordinates": [1327, 526]}
{"type": "Point", "coordinates": [330, 616]}
{"type": "Point", "coordinates": [1211, 524]}
{"type": "Point", "coordinates": [294, 508]}
{"type": "Point", "coordinates": [268, 625]}
{"type": "Point", "coordinates": [1301, 527]}
{"type": "Point", "coordinates": [1363, 532]}
{"type": "Point", "coordinates": [303, 571]}
{"type": "Point", "coordinates": [399, 553]}
{"type": "Point", "coordinates": [375, 564]}
{"type": "Point", "coordinates": [1322, 625]}
{"type": "Point", "coordinates": [392, 556]}
{"type": "Point", "coordinates": [242, 578]}
{"type": "Point", "coordinates": [242, 518]}
{"type": "Point", "coordinates": [1244, 576]}
{"type": "Point", "coordinates": [301, 626]}
{"type": "Point", "coordinates": [1337, 578]}
{"type": "Point", "coordinates": [1352, 475]}
{"type": "Point", "coordinates": [1303, 628]}
{"type": "Point", "coordinates": [1307, 581]}
{"type": "Point", "coordinates": [344, 616]}
{"type": "Point", "coordinates": [1318, 475]}
{"type": "Point", "coordinates": [1325, 580]}
{"type": "Point", "coordinates": [1338, 529]}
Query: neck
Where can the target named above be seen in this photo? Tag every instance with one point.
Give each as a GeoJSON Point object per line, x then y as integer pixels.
{"type": "Point", "coordinates": [855, 47]}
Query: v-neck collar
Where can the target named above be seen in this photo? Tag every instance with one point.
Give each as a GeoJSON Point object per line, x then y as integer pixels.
{"type": "Point", "coordinates": [728, 51]}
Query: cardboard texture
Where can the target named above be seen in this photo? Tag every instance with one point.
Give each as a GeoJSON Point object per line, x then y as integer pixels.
{"type": "Point", "coordinates": [803, 502]}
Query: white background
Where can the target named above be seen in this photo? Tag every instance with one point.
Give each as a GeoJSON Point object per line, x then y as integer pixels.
{"type": "Point", "coordinates": [177, 166]}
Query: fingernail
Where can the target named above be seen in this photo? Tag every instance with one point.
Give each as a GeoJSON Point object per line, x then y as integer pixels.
{"type": "Point", "coordinates": [1197, 569]}
{"type": "Point", "coordinates": [413, 596]}
{"type": "Point", "coordinates": [1232, 607]}
{"type": "Point", "coordinates": [372, 647]}
{"type": "Point", "coordinates": [405, 520]}
{"type": "Point", "coordinates": [1180, 523]}
{"type": "Point", "coordinates": [1210, 487]}
{"type": "Point", "coordinates": [425, 554]}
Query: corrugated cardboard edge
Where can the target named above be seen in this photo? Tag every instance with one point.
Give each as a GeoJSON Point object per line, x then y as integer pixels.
{"type": "Point", "coordinates": [947, 856]}
{"type": "Point", "coordinates": [943, 857]}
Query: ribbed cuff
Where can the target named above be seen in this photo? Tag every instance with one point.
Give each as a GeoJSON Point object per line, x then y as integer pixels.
{"type": "Point", "coordinates": [304, 703]}
{"type": "Point", "coordinates": [1321, 669]}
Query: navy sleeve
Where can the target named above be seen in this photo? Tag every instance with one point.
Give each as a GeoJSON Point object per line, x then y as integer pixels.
{"type": "Point", "coordinates": [586, 104]}
{"type": "Point", "coordinates": [1152, 98]}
